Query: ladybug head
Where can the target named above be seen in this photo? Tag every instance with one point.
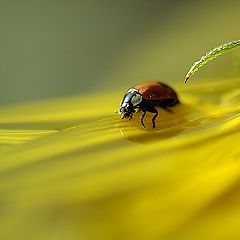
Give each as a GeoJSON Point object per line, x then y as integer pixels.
{"type": "Point", "coordinates": [130, 101]}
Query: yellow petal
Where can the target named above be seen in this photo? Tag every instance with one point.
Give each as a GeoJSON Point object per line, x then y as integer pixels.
{"type": "Point", "coordinates": [71, 169]}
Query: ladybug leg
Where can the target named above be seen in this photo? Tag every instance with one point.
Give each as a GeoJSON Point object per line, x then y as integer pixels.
{"type": "Point", "coordinates": [144, 113]}
{"type": "Point", "coordinates": [154, 117]}
{"type": "Point", "coordinates": [153, 110]}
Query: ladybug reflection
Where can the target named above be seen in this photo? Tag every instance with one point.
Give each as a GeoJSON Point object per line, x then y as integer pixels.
{"type": "Point", "coordinates": [147, 96]}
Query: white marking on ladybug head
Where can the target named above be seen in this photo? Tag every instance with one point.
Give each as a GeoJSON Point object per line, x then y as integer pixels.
{"type": "Point", "coordinates": [136, 99]}
{"type": "Point", "coordinates": [132, 90]}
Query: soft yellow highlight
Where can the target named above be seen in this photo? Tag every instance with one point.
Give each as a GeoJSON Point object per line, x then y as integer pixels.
{"type": "Point", "coordinates": [71, 169]}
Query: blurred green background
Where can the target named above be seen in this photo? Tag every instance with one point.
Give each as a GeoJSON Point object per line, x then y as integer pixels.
{"type": "Point", "coordinates": [51, 49]}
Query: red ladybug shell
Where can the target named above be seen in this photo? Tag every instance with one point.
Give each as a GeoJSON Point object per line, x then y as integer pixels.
{"type": "Point", "coordinates": [153, 90]}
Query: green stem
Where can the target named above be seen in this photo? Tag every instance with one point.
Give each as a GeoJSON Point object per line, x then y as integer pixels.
{"type": "Point", "coordinates": [215, 52]}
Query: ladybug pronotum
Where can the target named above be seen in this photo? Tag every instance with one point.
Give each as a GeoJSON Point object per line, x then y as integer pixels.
{"type": "Point", "coordinates": [147, 96]}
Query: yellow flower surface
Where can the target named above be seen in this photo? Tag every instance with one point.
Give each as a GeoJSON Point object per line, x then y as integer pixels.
{"type": "Point", "coordinates": [72, 169]}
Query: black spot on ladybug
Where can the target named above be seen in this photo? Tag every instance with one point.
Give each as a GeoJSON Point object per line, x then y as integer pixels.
{"type": "Point", "coordinates": [147, 96]}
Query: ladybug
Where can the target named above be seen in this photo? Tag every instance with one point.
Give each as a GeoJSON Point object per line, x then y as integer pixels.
{"type": "Point", "coordinates": [147, 96]}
